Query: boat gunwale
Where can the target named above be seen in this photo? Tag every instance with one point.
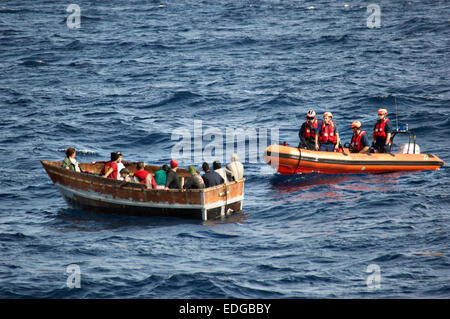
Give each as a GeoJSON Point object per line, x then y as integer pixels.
{"type": "Point", "coordinates": [86, 177]}
{"type": "Point", "coordinates": [350, 161]}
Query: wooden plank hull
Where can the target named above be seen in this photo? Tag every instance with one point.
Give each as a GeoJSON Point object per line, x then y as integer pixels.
{"type": "Point", "coordinates": [291, 160]}
{"type": "Point", "coordinates": [102, 195]}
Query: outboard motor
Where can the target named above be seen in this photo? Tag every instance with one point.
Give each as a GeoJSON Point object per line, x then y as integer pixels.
{"type": "Point", "coordinates": [408, 148]}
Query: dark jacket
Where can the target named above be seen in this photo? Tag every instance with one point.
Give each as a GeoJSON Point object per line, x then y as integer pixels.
{"type": "Point", "coordinates": [211, 178]}
{"type": "Point", "coordinates": [173, 180]}
{"type": "Point", "coordinates": [194, 182]}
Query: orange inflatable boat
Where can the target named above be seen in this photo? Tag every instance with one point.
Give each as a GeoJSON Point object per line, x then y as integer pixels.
{"type": "Point", "coordinates": [293, 160]}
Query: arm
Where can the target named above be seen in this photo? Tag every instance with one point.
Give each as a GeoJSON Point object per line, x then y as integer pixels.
{"type": "Point", "coordinates": [317, 142]}
{"type": "Point", "coordinates": [365, 149]}
{"type": "Point", "coordinates": [338, 141]}
{"type": "Point", "coordinates": [109, 172]}
{"type": "Point", "coordinates": [388, 138]}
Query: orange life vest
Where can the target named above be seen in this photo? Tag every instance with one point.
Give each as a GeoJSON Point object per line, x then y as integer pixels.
{"type": "Point", "coordinates": [308, 132]}
{"type": "Point", "coordinates": [379, 128]}
{"type": "Point", "coordinates": [356, 141]}
{"type": "Point", "coordinates": [328, 133]}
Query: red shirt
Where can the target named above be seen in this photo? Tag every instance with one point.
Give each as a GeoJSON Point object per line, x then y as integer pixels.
{"type": "Point", "coordinates": [142, 175]}
{"type": "Point", "coordinates": [112, 165]}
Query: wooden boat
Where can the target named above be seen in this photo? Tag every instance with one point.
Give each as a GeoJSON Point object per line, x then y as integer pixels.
{"type": "Point", "coordinates": [91, 192]}
{"type": "Point", "coordinates": [293, 160]}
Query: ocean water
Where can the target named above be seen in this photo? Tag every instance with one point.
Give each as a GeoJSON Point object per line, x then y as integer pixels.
{"type": "Point", "coordinates": [135, 72]}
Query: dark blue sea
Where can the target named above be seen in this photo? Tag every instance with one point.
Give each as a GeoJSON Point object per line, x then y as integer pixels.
{"type": "Point", "coordinates": [135, 73]}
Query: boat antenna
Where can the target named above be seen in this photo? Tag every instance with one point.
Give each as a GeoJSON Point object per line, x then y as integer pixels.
{"type": "Point", "coordinates": [396, 111]}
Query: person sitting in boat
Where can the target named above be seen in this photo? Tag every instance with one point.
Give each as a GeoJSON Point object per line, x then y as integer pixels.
{"type": "Point", "coordinates": [235, 170]}
{"type": "Point", "coordinates": [120, 165]}
{"type": "Point", "coordinates": [360, 141]}
{"type": "Point", "coordinates": [172, 179]}
{"type": "Point", "coordinates": [125, 174]}
{"type": "Point", "coordinates": [110, 169]}
{"type": "Point", "coordinates": [382, 130]}
{"type": "Point", "coordinates": [327, 138]}
{"type": "Point", "coordinates": [211, 178]}
{"type": "Point", "coordinates": [217, 166]}
{"type": "Point", "coordinates": [144, 177]}
{"type": "Point", "coordinates": [161, 176]}
{"type": "Point", "coordinates": [195, 181]}
{"type": "Point", "coordinates": [70, 162]}
{"type": "Point", "coordinates": [308, 131]}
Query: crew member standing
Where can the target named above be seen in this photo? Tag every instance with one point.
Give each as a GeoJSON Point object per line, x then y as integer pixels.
{"type": "Point", "coordinates": [381, 136]}
{"type": "Point", "coordinates": [308, 131]}
{"type": "Point", "coordinates": [327, 138]}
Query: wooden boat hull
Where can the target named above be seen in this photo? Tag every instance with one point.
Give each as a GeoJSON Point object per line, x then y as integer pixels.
{"type": "Point", "coordinates": [291, 160]}
{"type": "Point", "coordinates": [94, 193]}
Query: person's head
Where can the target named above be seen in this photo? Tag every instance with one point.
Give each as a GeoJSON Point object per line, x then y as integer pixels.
{"type": "Point", "coordinates": [70, 152]}
{"type": "Point", "coordinates": [382, 114]}
{"type": "Point", "coordinates": [192, 170]}
{"type": "Point", "coordinates": [120, 155]}
{"type": "Point", "coordinates": [165, 168]}
{"type": "Point", "coordinates": [327, 116]}
{"type": "Point", "coordinates": [311, 115]}
{"type": "Point", "coordinates": [205, 167]}
{"type": "Point", "coordinates": [234, 157]}
{"type": "Point", "coordinates": [216, 165]}
{"type": "Point", "coordinates": [356, 127]}
{"type": "Point", "coordinates": [174, 164]}
{"type": "Point", "coordinates": [140, 166]}
{"type": "Point", "coordinates": [114, 156]}
{"type": "Point", "coordinates": [124, 172]}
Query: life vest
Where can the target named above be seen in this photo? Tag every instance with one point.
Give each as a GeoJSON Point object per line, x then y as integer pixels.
{"type": "Point", "coordinates": [356, 141]}
{"type": "Point", "coordinates": [141, 175]}
{"type": "Point", "coordinates": [379, 128]}
{"type": "Point", "coordinates": [308, 133]}
{"type": "Point", "coordinates": [328, 133]}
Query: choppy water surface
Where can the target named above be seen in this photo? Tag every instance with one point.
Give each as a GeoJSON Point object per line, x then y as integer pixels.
{"type": "Point", "coordinates": [137, 70]}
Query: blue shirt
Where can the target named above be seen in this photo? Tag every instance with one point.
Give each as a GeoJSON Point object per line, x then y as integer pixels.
{"type": "Point", "coordinates": [365, 140]}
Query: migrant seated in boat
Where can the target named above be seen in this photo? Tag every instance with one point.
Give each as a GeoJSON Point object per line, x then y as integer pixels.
{"type": "Point", "coordinates": [217, 166]}
{"type": "Point", "coordinates": [110, 169]}
{"type": "Point", "coordinates": [235, 170]}
{"type": "Point", "coordinates": [211, 178]}
{"type": "Point", "coordinates": [125, 175]}
{"type": "Point", "coordinates": [120, 165]}
{"type": "Point", "coordinates": [70, 162]}
{"type": "Point", "coordinates": [144, 177]}
{"type": "Point", "coordinates": [173, 180]}
{"type": "Point", "coordinates": [195, 181]}
{"type": "Point", "coordinates": [161, 176]}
